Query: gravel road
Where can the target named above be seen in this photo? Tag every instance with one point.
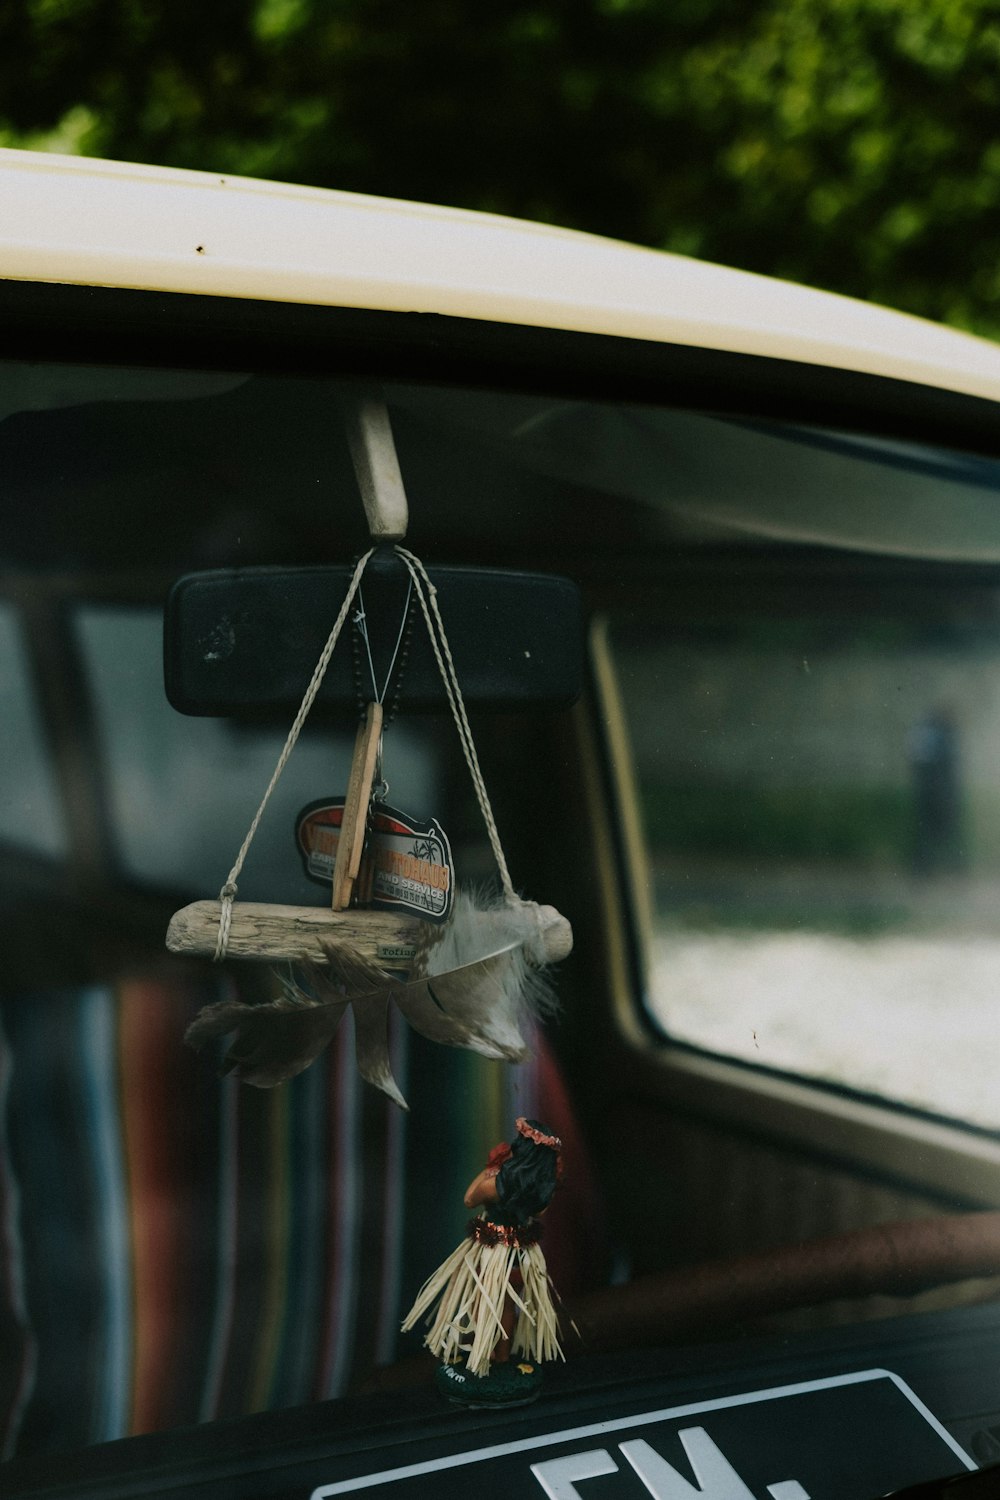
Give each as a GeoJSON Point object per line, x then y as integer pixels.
{"type": "Point", "coordinates": [911, 1018]}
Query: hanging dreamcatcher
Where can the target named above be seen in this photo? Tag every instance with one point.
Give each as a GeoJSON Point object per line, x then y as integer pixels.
{"type": "Point", "coordinates": [462, 970]}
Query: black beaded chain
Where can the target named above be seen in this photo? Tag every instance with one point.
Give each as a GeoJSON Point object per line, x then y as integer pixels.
{"type": "Point", "coordinates": [360, 665]}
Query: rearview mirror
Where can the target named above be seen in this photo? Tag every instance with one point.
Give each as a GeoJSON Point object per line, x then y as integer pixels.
{"type": "Point", "coordinates": [243, 643]}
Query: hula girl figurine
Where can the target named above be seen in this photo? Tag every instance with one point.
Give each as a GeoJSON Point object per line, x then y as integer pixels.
{"type": "Point", "coordinates": [497, 1279]}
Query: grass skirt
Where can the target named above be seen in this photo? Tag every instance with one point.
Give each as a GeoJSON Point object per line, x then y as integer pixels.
{"type": "Point", "coordinates": [471, 1287]}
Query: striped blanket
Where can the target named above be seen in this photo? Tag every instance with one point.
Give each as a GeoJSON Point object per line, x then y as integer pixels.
{"type": "Point", "coordinates": [175, 1247]}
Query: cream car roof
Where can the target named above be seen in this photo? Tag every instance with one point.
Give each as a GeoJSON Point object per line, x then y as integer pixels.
{"type": "Point", "coordinates": [99, 223]}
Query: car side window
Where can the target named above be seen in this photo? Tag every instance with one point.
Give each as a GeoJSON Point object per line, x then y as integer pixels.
{"type": "Point", "coordinates": [816, 766]}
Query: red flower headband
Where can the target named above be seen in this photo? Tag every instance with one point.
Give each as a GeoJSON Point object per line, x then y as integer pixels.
{"type": "Point", "coordinates": [523, 1128]}
{"type": "Point", "coordinates": [502, 1152]}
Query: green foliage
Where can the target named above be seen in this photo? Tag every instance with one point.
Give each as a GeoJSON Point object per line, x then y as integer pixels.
{"type": "Point", "coordinates": [864, 134]}
{"type": "Point", "coordinates": [852, 144]}
{"type": "Point", "coordinates": [868, 826]}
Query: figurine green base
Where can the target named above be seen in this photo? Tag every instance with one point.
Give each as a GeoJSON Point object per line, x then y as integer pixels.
{"type": "Point", "coordinates": [514, 1383]}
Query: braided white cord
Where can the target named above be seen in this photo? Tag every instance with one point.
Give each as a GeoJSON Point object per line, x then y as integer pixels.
{"type": "Point", "coordinates": [228, 892]}
{"type": "Point", "coordinates": [449, 676]}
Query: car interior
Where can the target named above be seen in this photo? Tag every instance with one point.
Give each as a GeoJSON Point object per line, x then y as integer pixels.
{"type": "Point", "coordinates": [769, 813]}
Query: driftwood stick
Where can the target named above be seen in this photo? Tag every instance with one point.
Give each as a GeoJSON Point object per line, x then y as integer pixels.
{"type": "Point", "coordinates": [266, 931]}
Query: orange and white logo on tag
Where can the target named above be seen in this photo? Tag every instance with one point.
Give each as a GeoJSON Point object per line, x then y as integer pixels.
{"type": "Point", "coordinates": [406, 865]}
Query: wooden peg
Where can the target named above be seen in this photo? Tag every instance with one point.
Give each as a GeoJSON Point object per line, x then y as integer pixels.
{"type": "Point", "coordinates": [268, 933]}
{"type": "Point", "coordinates": [355, 817]}
{"type": "Point", "coordinates": [373, 452]}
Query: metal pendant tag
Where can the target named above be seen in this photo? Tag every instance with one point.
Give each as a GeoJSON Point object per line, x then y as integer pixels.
{"type": "Point", "coordinates": [317, 833]}
{"type": "Point", "coordinates": [406, 866]}
{"type": "Point", "coordinates": [409, 865]}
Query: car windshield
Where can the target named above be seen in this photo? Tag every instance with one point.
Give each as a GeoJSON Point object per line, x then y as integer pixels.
{"type": "Point", "coordinates": [771, 819]}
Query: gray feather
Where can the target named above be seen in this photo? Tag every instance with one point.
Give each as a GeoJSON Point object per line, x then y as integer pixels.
{"type": "Point", "coordinates": [371, 1042]}
{"type": "Point", "coordinates": [472, 985]}
{"type": "Point", "coordinates": [273, 1042]}
{"type": "Point", "coordinates": [469, 1006]}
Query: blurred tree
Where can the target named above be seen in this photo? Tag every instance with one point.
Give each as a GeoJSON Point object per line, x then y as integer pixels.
{"type": "Point", "coordinates": [852, 144]}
